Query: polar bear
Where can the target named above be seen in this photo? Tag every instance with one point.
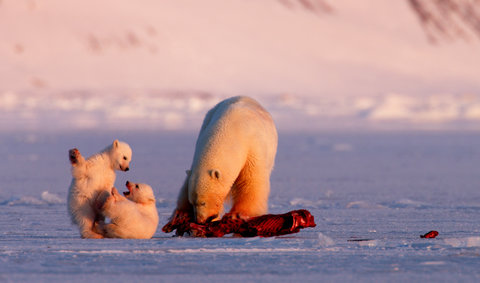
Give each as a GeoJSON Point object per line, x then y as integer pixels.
{"type": "Point", "coordinates": [133, 216]}
{"type": "Point", "coordinates": [234, 156]}
{"type": "Point", "coordinates": [90, 177]}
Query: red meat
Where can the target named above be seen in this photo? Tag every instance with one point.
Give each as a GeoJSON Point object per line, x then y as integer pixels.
{"type": "Point", "coordinates": [431, 234]}
{"type": "Point", "coordinates": [265, 226]}
{"type": "Point", "coordinates": [180, 221]}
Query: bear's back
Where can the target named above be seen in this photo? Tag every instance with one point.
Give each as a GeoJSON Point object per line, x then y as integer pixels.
{"type": "Point", "coordinates": [237, 114]}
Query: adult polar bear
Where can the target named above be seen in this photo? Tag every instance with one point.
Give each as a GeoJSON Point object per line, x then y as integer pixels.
{"type": "Point", "coordinates": [234, 156]}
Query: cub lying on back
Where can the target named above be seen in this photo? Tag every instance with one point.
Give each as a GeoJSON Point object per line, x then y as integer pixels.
{"type": "Point", "coordinates": [91, 177]}
{"type": "Point", "coordinates": [133, 216]}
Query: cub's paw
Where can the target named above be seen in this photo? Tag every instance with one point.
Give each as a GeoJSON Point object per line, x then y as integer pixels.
{"type": "Point", "coordinates": [90, 234]}
{"type": "Point", "coordinates": [99, 227]}
{"type": "Point", "coordinates": [75, 156]}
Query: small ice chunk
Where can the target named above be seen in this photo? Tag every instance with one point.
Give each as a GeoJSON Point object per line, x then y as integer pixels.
{"type": "Point", "coordinates": [52, 198]}
{"type": "Point", "coordinates": [468, 242]}
{"type": "Point", "coordinates": [324, 241]}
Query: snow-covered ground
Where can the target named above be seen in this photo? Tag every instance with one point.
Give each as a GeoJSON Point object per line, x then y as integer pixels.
{"type": "Point", "coordinates": [384, 189]}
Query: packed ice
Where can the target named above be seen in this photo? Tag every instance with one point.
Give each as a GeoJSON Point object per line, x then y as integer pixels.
{"type": "Point", "coordinates": [370, 211]}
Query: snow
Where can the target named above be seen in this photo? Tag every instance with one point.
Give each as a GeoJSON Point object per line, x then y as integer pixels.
{"type": "Point", "coordinates": [184, 110]}
{"type": "Point", "coordinates": [371, 204]}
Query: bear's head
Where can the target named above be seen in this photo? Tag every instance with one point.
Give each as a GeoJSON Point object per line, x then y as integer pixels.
{"type": "Point", "coordinates": [139, 193]}
{"type": "Point", "coordinates": [121, 155]}
{"type": "Point", "coordinates": [206, 193]}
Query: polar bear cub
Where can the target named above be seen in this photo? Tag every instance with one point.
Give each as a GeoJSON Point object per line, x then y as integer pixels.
{"type": "Point", "coordinates": [91, 177]}
{"type": "Point", "coordinates": [133, 216]}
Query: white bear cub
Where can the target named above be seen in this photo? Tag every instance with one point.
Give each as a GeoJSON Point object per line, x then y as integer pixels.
{"type": "Point", "coordinates": [91, 178]}
{"type": "Point", "coordinates": [133, 216]}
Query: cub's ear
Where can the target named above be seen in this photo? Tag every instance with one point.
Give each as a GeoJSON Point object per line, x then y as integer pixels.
{"type": "Point", "coordinates": [214, 173]}
{"type": "Point", "coordinates": [188, 172]}
{"type": "Point", "coordinates": [115, 143]}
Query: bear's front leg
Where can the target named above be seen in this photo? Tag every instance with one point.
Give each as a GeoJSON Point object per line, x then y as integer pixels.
{"type": "Point", "coordinates": [183, 214]}
{"type": "Point", "coordinates": [75, 157]}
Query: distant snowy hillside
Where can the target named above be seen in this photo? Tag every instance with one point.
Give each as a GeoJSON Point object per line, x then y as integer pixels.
{"type": "Point", "coordinates": [348, 62]}
{"type": "Point", "coordinates": [154, 110]}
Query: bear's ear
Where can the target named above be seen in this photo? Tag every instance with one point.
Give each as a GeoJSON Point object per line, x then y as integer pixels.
{"type": "Point", "coordinates": [115, 143]}
{"type": "Point", "coordinates": [215, 174]}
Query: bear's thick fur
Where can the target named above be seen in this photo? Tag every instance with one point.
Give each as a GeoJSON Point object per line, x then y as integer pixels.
{"type": "Point", "coordinates": [91, 177]}
{"type": "Point", "coordinates": [234, 156]}
{"type": "Point", "coordinates": [133, 216]}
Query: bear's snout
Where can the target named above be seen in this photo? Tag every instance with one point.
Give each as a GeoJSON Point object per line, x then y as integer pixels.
{"type": "Point", "coordinates": [201, 220]}
{"type": "Point", "coordinates": [126, 169]}
{"type": "Point", "coordinates": [129, 186]}
{"type": "Point", "coordinates": [211, 218]}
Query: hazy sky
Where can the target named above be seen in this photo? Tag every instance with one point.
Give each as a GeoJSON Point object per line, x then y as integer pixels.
{"type": "Point", "coordinates": [233, 47]}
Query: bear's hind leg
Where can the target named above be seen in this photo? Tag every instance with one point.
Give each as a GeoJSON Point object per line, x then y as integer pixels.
{"type": "Point", "coordinates": [85, 218]}
{"type": "Point", "coordinates": [89, 231]}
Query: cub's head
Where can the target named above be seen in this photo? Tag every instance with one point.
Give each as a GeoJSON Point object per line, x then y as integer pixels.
{"type": "Point", "coordinates": [207, 194]}
{"type": "Point", "coordinates": [121, 155]}
{"type": "Point", "coordinates": [139, 193]}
